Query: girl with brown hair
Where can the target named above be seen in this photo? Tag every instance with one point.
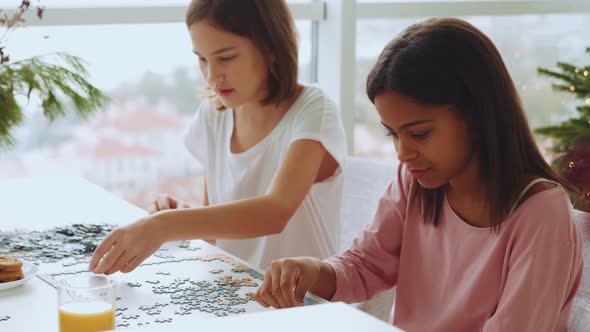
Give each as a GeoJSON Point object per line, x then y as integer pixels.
{"type": "Point", "coordinates": [477, 234]}
{"type": "Point", "coordinates": [272, 148]}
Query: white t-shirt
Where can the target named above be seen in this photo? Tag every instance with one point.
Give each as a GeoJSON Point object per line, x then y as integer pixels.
{"type": "Point", "coordinates": [314, 229]}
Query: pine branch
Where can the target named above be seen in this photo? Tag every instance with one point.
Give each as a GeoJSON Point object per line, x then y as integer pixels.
{"type": "Point", "coordinates": [577, 79]}
{"type": "Point", "coordinates": [572, 135]}
{"type": "Point", "coordinates": [10, 116]}
{"type": "Point", "coordinates": [58, 81]}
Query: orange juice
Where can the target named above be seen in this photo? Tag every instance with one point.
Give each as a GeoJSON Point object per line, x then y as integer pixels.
{"type": "Point", "coordinates": [91, 316]}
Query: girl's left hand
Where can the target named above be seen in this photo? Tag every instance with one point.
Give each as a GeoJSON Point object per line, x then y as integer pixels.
{"type": "Point", "coordinates": [127, 247]}
{"type": "Point", "coordinates": [287, 280]}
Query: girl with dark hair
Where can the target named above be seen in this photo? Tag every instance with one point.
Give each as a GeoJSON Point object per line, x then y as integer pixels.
{"type": "Point", "coordinates": [477, 233]}
{"type": "Point", "coordinates": [272, 149]}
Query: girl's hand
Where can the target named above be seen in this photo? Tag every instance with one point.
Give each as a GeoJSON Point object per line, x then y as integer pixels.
{"type": "Point", "coordinates": [166, 202]}
{"type": "Point", "coordinates": [126, 247]}
{"type": "Point", "coordinates": [287, 280]}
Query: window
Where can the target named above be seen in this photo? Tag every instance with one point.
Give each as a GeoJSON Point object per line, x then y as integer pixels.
{"type": "Point", "coordinates": [152, 76]}
{"type": "Point", "coordinates": [139, 53]}
{"type": "Point", "coordinates": [541, 41]}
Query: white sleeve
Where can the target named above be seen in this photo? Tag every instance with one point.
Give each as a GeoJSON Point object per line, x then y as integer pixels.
{"type": "Point", "coordinates": [319, 120]}
{"type": "Point", "coordinates": [196, 135]}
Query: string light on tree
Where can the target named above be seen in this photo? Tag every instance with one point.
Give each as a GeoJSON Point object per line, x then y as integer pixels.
{"type": "Point", "coordinates": [571, 138]}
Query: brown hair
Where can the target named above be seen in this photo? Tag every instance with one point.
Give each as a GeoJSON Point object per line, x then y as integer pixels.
{"type": "Point", "coordinates": [448, 61]}
{"type": "Point", "coordinates": [269, 24]}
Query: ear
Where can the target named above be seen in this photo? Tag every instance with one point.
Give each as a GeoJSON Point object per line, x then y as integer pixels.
{"type": "Point", "coordinates": [271, 60]}
{"type": "Point", "coordinates": [270, 56]}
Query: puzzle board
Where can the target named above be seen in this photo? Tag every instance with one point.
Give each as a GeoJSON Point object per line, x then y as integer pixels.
{"type": "Point", "coordinates": [183, 279]}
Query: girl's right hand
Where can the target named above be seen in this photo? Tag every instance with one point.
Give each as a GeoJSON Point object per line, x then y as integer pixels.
{"type": "Point", "coordinates": [287, 280]}
{"type": "Point", "coordinates": [126, 247]}
{"type": "Point", "coordinates": [166, 202]}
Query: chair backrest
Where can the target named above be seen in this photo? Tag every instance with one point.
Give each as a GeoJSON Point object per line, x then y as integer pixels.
{"type": "Point", "coordinates": [365, 182]}
{"type": "Point", "coordinates": [579, 320]}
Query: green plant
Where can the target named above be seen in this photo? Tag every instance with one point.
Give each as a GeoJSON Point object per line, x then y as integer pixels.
{"type": "Point", "coordinates": [58, 80]}
{"type": "Point", "coordinates": [572, 137]}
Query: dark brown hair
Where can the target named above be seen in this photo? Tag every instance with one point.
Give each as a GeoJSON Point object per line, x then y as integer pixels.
{"type": "Point", "coordinates": [448, 61]}
{"type": "Point", "coordinates": [269, 24]}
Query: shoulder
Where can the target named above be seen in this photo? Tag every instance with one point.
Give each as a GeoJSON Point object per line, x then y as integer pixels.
{"type": "Point", "coordinates": [202, 112]}
{"type": "Point", "coordinates": [543, 198]}
{"type": "Point", "coordinates": [206, 116]}
{"type": "Point", "coordinates": [536, 188]}
{"type": "Point", "coordinates": [313, 93]}
{"type": "Point", "coordinates": [313, 113]}
{"type": "Point", "coordinates": [206, 124]}
{"type": "Point", "coordinates": [314, 101]}
{"type": "Point", "coordinates": [546, 215]}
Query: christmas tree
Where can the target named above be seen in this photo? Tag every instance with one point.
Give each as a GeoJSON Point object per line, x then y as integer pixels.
{"type": "Point", "coordinates": [572, 137]}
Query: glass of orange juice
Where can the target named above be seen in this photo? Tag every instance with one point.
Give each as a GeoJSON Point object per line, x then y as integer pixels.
{"type": "Point", "coordinates": [86, 303]}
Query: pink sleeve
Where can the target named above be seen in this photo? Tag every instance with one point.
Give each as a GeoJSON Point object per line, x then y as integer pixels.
{"type": "Point", "coordinates": [542, 280]}
{"type": "Point", "coordinates": [371, 264]}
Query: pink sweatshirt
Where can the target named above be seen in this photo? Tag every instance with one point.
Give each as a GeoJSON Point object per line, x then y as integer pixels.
{"type": "Point", "coordinates": [457, 277]}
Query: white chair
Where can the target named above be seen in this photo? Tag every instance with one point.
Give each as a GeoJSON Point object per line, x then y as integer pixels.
{"type": "Point", "coordinates": [365, 182]}
{"type": "Point", "coordinates": [579, 320]}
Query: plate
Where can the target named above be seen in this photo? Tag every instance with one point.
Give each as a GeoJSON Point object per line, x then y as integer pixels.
{"type": "Point", "coordinates": [29, 270]}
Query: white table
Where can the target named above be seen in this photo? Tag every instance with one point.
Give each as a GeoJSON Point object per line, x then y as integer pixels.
{"type": "Point", "coordinates": [44, 202]}
{"type": "Point", "coordinates": [40, 203]}
{"type": "Point", "coordinates": [317, 318]}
